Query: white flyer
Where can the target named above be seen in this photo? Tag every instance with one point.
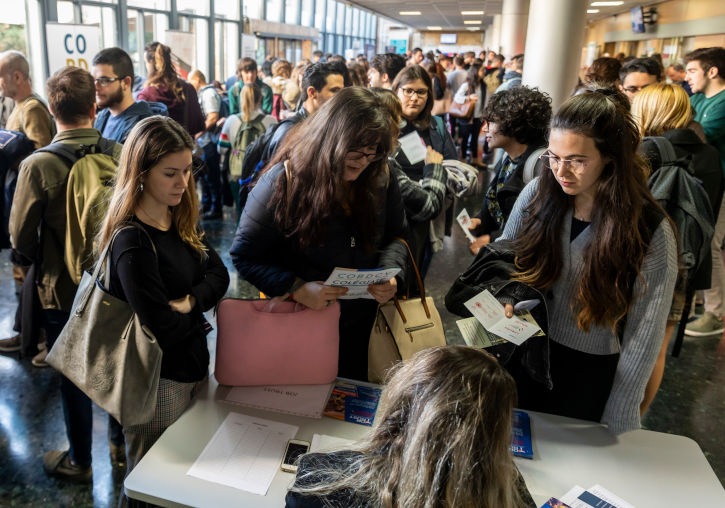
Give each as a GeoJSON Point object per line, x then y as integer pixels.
{"type": "Point", "coordinates": [464, 220]}
{"type": "Point", "coordinates": [595, 497]}
{"type": "Point", "coordinates": [413, 147]}
{"type": "Point", "coordinates": [300, 400]}
{"type": "Point", "coordinates": [244, 453]}
{"type": "Point", "coordinates": [357, 281]}
{"type": "Point", "coordinates": [490, 313]}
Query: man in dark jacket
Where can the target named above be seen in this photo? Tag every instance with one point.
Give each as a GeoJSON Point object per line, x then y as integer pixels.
{"type": "Point", "coordinates": [119, 112]}
{"type": "Point", "coordinates": [517, 121]}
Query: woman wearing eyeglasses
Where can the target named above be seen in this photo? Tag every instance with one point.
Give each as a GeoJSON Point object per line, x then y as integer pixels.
{"type": "Point", "coordinates": [414, 89]}
{"type": "Point", "coordinates": [328, 201]}
{"type": "Point", "coordinates": [588, 234]}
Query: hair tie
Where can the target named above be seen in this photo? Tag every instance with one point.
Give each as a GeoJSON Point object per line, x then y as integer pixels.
{"type": "Point", "coordinates": [608, 92]}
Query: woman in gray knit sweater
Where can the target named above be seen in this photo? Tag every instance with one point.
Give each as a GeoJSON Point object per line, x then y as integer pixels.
{"type": "Point", "coordinates": [588, 234]}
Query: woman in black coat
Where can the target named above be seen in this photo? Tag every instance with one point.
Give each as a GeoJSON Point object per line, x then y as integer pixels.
{"type": "Point", "coordinates": [326, 204]}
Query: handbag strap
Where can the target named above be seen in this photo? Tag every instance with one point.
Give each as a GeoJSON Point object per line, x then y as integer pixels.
{"type": "Point", "coordinates": [105, 257]}
{"type": "Point", "coordinates": [421, 287]}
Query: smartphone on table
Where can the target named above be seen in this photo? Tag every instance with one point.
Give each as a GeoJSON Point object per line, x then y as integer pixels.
{"type": "Point", "coordinates": [294, 449]}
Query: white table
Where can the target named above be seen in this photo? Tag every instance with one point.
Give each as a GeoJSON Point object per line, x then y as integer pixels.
{"type": "Point", "coordinates": [160, 477]}
{"type": "Point", "coordinates": [647, 469]}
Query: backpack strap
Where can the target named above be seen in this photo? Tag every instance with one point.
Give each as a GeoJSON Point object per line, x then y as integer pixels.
{"type": "Point", "coordinates": [72, 153]}
{"type": "Point", "coordinates": [664, 147]}
{"type": "Point", "coordinates": [439, 128]}
{"type": "Point", "coordinates": [530, 165]}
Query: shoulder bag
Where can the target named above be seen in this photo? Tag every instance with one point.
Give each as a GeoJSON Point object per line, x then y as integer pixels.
{"type": "Point", "coordinates": [463, 111]}
{"type": "Point", "coordinates": [402, 328]}
{"type": "Point", "coordinates": [106, 351]}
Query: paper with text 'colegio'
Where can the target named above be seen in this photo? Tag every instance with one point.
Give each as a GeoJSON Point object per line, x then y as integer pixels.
{"type": "Point", "coordinates": [490, 313]}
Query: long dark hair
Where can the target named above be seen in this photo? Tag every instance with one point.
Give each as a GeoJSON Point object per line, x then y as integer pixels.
{"type": "Point", "coordinates": [164, 72]}
{"type": "Point", "coordinates": [473, 80]}
{"type": "Point", "coordinates": [613, 259]}
{"type": "Point", "coordinates": [315, 152]}
{"type": "Point", "coordinates": [411, 73]}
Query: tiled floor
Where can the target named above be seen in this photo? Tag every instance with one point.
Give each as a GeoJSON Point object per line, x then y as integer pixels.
{"type": "Point", "coordinates": [691, 401]}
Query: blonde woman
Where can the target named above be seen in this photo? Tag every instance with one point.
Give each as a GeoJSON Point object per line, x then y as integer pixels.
{"type": "Point", "coordinates": [664, 110]}
{"type": "Point", "coordinates": [439, 440]}
{"type": "Point", "coordinates": [163, 265]}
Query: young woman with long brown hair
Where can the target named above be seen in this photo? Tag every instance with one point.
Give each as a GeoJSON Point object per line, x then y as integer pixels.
{"type": "Point", "coordinates": [328, 200]}
{"type": "Point", "coordinates": [588, 234]}
{"type": "Point", "coordinates": [441, 439]}
{"type": "Point", "coordinates": [164, 85]}
{"type": "Point", "coordinates": [162, 265]}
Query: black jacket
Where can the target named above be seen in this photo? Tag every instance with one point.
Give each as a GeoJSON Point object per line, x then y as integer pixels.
{"type": "Point", "coordinates": [705, 161]}
{"type": "Point", "coordinates": [281, 130]}
{"type": "Point", "coordinates": [271, 261]}
{"type": "Point", "coordinates": [506, 195]}
{"type": "Point", "coordinates": [491, 270]}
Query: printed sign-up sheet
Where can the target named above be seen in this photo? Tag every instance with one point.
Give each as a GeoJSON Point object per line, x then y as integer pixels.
{"type": "Point", "coordinates": [245, 453]}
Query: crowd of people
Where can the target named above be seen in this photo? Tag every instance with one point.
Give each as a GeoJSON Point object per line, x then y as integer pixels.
{"type": "Point", "coordinates": [309, 158]}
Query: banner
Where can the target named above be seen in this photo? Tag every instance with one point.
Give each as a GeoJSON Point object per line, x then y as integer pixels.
{"type": "Point", "coordinates": [71, 45]}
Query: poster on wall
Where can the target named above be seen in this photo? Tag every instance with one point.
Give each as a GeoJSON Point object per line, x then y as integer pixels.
{"type": "Point", "coordinates": [400, 46]}
{"type": "Point", "coordinates": [71, 45]}
{"type": "Point", "coordinates": [249, 46]}
{"type": "Point", "coordinates": [183, 50]}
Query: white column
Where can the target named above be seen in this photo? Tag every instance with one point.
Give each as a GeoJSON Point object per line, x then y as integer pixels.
{"type": "Point", "coordinates": [554, 46]}
{"type": "Point", "coordinates": [495, 41]}
{"type": "Point", "coordinates": [514, 18]}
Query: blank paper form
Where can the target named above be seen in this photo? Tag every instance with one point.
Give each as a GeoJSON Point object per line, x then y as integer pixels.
{"type": "Point", "coordinates": [245, 453]}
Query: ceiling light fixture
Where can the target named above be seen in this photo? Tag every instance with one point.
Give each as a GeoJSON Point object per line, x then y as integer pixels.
{"type": "Point", "coordinates": [605, 4]}
{"type": "Point", "coordinates": [472, 29]}
{"type": "Point", "coordinates": [434, 28]}
{"type": "Point", "coordinates": [476, 22]}
{"type": "Point", "coordinates": [472, 13]}
{"type": "Point", "coordinates": [409, 13]}
{"type": "Point", "coordinates": [592, 11]}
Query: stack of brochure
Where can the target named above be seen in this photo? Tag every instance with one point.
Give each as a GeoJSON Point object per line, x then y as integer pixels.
{"type": "Point", "coordinates": [595, 497]}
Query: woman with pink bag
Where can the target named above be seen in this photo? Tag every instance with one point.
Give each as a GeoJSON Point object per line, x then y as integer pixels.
{"type": "Point", "coordinates": [327, 200]}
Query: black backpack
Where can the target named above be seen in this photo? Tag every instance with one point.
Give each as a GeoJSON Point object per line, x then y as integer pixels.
{"type": "Point", "coordinates": [14, 147]}
{"type": "Point", "coordinates": [675, 187]}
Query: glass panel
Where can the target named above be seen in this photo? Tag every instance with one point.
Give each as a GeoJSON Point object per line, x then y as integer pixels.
{"type": "Point", "coordinates": [253, 9]}
{"type": "Point", "coordinates": [291, 8]}
{"type": "Point", "coordinates": [340, 23]}
{"type": "Point", "coordinates": [348, 20]}
{"type": "Point", "coordinates": [105, 17]}
{"type": "Point", "coordinates": [307, 17]}
{"type": "Point", "coordinates": [374, 28]}
{"type": "Point", "coordinates": [162, 5]}
{"type": "Point", "coordinates": [330, 43]}
{"type": "Point", "coordinates": [200, 53]}
{"type": "Point", "coordinates": [226, 41]}
{"type": "Point", "coordinates": [193, 6]}
{"type": "Point", "coordinates": [274, 10]}
{"type": "Point", "coordinates": [320, 15]}
{"type": "Point", "coordinates": [340, 45]}
{"type": "Point", "coordinates": [330, 25]}
{"type": "Point", "coordinates": [355, 22]}
{"type": "Point", "coordinates": [228, 9]}
{"type": "Point", "coordinates": [65, 12]}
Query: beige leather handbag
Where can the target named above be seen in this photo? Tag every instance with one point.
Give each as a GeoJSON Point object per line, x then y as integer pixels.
{"type": "Point", "coordinates": [106, 351]}
{"type": "Point", "coordinates": [402, 328]}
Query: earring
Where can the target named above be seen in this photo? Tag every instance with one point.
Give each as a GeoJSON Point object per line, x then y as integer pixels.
{"type": "Point", "coordinates": [140, 187]}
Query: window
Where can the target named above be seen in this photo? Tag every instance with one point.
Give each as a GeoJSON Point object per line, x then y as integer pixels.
{"type": "Point", "coordinates": [193, 6]}
{"type": "Point", "coordinates": [253, 9]}
{"type": "Point", "coordinates": [320, 14]}
{"type": "Point", "coordinates": [348, 20]}
{"type": "Point", "coordinates": [228, 9]}
{"type": "Point", "coordinates": [330, 25]}
{"type": "Point", "coordinates": [197, 52]}
{"type": "Point", "coordinates": [307, 15]}
{"type": "Point", "coordinates": [162, 5]}
{"type": "Point", "coordinates": [274, 11]}
{"type": "Point", "coordinates": [291, 9]}
{"type": "Point", "coordinates": [340, 19]}
{"type": "Point", "coordinates": [105, 17]}
{"type": "Point", "coordinates": [226, 44]}
{"type": "Point", "coordinates": [355, 22]}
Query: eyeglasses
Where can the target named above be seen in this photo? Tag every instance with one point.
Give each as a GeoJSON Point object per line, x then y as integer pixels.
{"type": "Point", "coordinates": [104, 81]}
{"type": "Point", "coordinates": [354, 155]}
{"type": "Point", "coordinates": [634, 89]}
{"type": "Point", "coordinates": [554, 162]}
{"type": "Point", "coordinates": [408, 92]}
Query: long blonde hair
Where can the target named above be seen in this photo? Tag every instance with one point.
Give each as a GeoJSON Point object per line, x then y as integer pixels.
{"type": "Point", "coordinates": [661, 107]}
{"type": "Point", "coordinates": [251, 99]}
{"type": "Point", "coordinates": [441, 437]}
{"type": "Point", "coordinates": [149, 141]}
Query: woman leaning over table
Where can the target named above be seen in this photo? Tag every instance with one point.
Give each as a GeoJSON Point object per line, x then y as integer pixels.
{"type": "Point", "coordinates": [414, 89]}
{"type": "Point", "coordinates": [328, 200]}
{"type": "Point", "coordinates": [588, 234]}
{"type": "Point", "coordinates": [163, 266]}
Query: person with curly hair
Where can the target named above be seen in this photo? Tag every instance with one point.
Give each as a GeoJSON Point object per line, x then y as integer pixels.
{"type": "Point", "coordinates": [516, 121]}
